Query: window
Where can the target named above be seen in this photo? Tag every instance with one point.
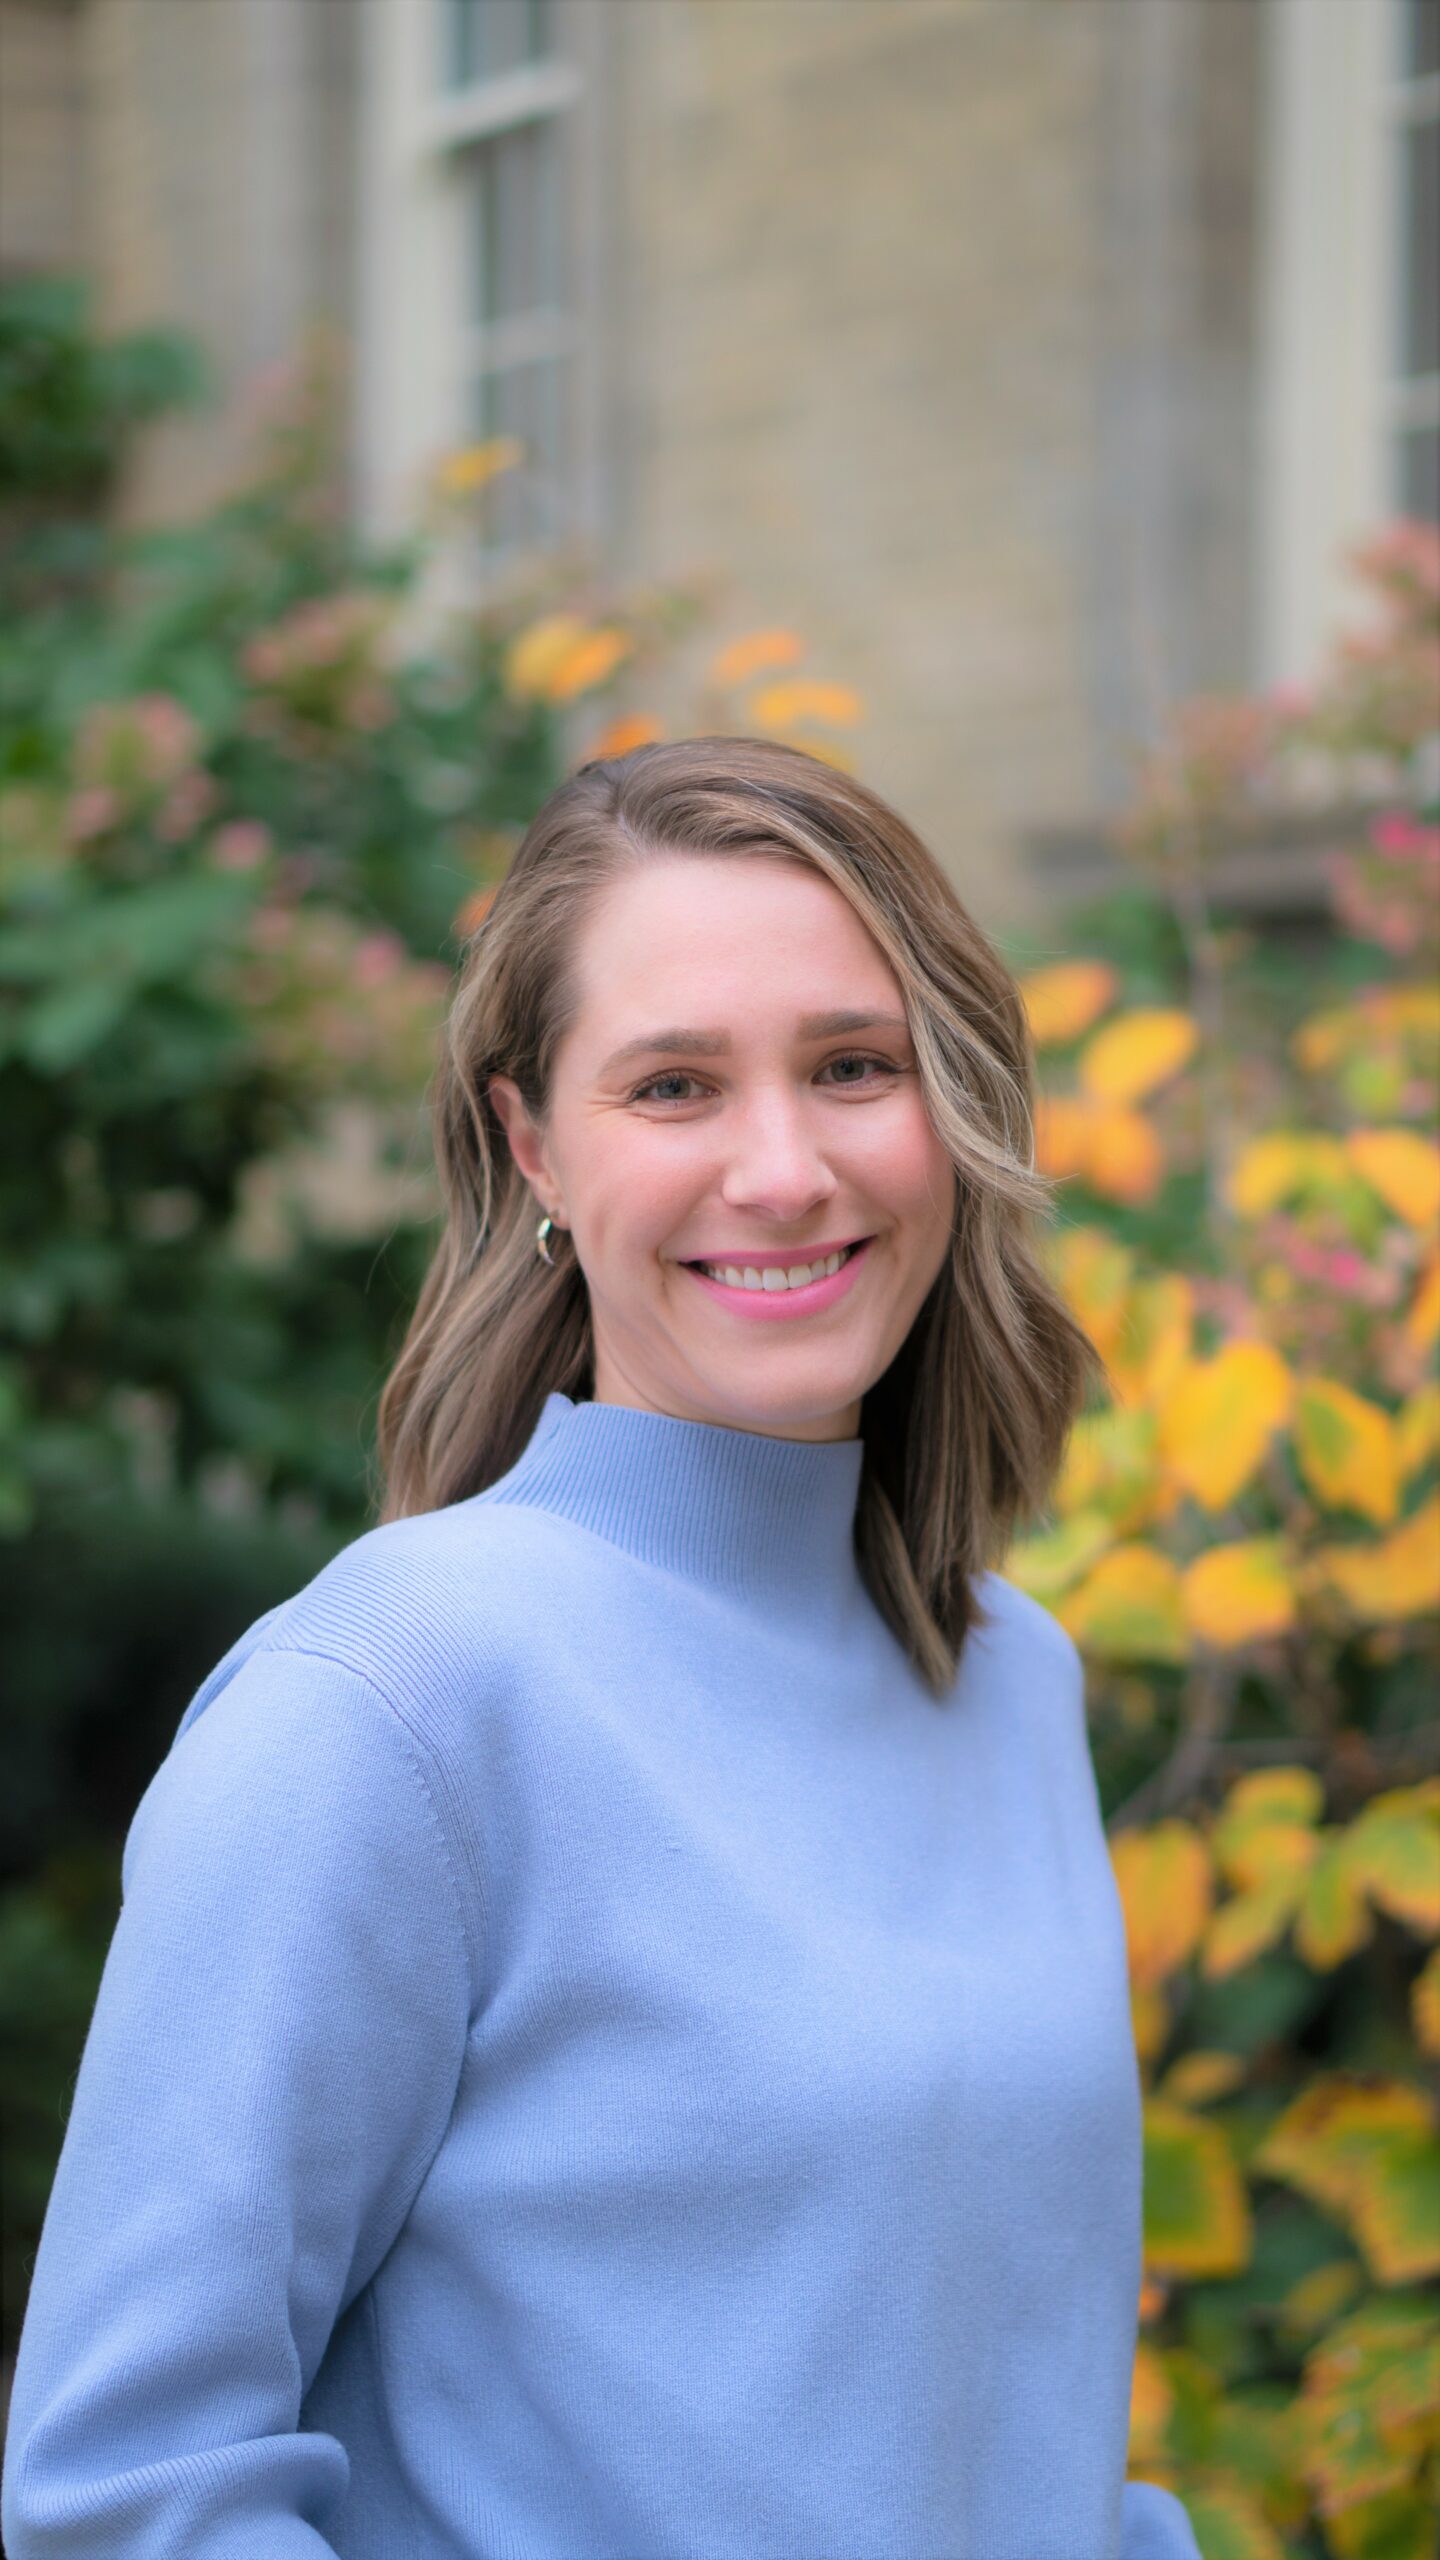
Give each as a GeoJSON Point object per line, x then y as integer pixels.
{"type": "Point", "coordinates": [1350, 392]}
{"type": "Point", "coordinates": [1412, 398]}
{"type": "Point", "coordinates": [480, 39]}
{"type": "Point", "coordinates": [473, 255]}
{"type": "Point", "coordinates": [516, 327]}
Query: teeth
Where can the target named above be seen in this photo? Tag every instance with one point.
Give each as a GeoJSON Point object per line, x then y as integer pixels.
{"type": "Point", "coordinates": [798, 1276]}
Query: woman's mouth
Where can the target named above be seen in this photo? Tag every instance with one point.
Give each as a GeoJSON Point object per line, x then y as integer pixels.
{"type": "Point", "coordinates": [769, 1288]}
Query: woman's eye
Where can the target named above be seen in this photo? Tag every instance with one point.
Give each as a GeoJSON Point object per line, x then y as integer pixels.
{"type": "Point", "coordinates": [651, 1091]}
{"type": "Point", "coordinates": [882, 1066]}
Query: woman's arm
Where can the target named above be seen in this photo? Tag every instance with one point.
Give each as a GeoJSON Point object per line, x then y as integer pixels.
{"type": "Point", "coordinates": [1154, 2525]}
{"type": "Point", "coordinates": [269, 2071]}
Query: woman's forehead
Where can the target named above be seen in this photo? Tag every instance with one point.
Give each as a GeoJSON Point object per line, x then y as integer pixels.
{"type": "Point", "coordinates": [702, 914]}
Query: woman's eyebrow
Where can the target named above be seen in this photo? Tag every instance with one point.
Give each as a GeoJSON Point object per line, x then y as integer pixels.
{"type": "Point", "coordinates": [713, 1044]}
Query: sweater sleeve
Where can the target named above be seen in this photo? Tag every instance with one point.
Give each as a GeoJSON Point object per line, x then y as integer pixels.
{"type": "Point", "coordinates": [1154, 2525]}
{"type": "Point", "coordinates": [269, 2071]}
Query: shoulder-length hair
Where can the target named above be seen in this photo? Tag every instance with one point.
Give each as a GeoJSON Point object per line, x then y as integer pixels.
{"type": "Point", "coordinates": [964, 1433]}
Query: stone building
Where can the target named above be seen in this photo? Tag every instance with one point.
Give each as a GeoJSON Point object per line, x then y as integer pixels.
{"type": "Point", "coordinates": [1035, 358]}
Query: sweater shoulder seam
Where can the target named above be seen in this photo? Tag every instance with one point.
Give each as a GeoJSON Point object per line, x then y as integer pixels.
{"type": "Point", "coordinates": [417, 1752]}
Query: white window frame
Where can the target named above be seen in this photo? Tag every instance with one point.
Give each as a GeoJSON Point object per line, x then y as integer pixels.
{"type": "Point", "coordinates": [418, 353]}
{"type": "Point", "coordinates": [1331, 252]}
{"type": "Point", "coordinates": [1413, 401]}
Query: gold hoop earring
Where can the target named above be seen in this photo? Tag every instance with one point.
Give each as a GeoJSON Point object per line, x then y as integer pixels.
{"type": "Point", "coordinates": [543, 1233]}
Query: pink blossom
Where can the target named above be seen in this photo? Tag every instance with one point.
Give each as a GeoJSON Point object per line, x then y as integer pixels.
{"type": "Point", "coordinates": [91, 812]}
{"type": "Point", "coordinates": [186, 804]}
{"type": "Point", "coordinates": [241, 845]}
{"type": "Point", "coordinates": [1401, 835]}
{"type": "Point", "coordinates": [377, 958]}
{"type": "Point", "coordinates": [271, 928]}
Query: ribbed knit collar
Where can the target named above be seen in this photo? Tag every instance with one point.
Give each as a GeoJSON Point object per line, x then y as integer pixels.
{"type": "Point", "coordinates": [737, 1509]}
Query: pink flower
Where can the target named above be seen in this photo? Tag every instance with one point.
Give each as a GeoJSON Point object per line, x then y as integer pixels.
{"type": "Point", "coordinates": [271, 928]}
{"type": "Point", "coordinates": [91, 812]}
{"type": "Point", "coordinates": [1402, 836]}
{"type": "Point", "coordinates": [188, 801]}
{"type": "Point", "coordinates": [378, 958]}
{"type": "Point", "coordinates": [242, 845]}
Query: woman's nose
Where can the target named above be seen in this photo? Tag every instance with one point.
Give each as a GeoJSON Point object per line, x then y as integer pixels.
{"type": "Point", "coordinates": [776, 1163]}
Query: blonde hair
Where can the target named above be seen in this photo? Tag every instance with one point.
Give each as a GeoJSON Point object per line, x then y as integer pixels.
{"type": "Point", "coordinates": [966, 1430]}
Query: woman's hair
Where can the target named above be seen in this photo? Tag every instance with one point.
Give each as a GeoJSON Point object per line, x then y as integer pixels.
{"type": "Point", "coordinates": [965, 1431]}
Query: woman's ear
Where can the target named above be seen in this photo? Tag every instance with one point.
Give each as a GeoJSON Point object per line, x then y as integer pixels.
{"type": "Point", "coordinates": [526, 1145]}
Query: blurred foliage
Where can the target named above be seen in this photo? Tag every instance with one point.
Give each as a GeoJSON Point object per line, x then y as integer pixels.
{"type": "Point", "coordinates": [1245, 1543]}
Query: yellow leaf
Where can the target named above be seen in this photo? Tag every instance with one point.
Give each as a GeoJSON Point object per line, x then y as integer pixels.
{"type": "Point", "coordinates": [1287, 1793]}
{"type": "Point", "coordinates": [1333, 1920]}
{"type": "Point", "coordinates": [1365, 2150]}
{"type": "Point", "coordinates": [1066, 999]}
{"type": "Point", "coordinates": [780, 706]}
{"type": "Point", "coordinates": [1425, 2004]}
{"type": "Point", "coordinates": [621, 736]}
{"type": "Point", "coordinates": [535, 653]}
{"type": "Point", "coordinates": [1152, 2398]}
{"type": "Point", "coordinates": [460, 474]}
{"type": "Point", "coordinates": [1346, 1450]}
{"type": "Point", "coordinates": [1149, 2020]}
{"type": "Point", "coordinates": [1095, 1274]}
{"type": "Point", "coordinates": [1215, 1426]}
{"type": "Point", "coordinates": [1403, 1167]}
{"type": "Point", "coordinates": [1164, 1883]}
{"type": "Point", "coordinates": [1111, 1466]}
{"type": "Point", "coordinates": [1116, 1151]}
{"type": "Point", "coordinates": [1125, 1160]}
{"type": "Point", "coordinates": [594, 657]}
{"type": "Point", "coordinates": [1129, 1608]}
{"type": "Point", "coordinates": [1316, 2300]}
{"type": "Point", "coordinates": [1273, 1168]}
{"type": "Point", "coordinates": [1249, 1923]}
{"type": "Point", "coordinates": [1062, 1136]}
{"type": "Point", "coordinates": [1235, 1595]}
{"type": "Point", "coordinates": [1154, 1339]}
{"type": "Point", "coordinates": [1047, 1565]}
{"type": "Point", "coordinates": [1397, 2523]}
{"type": "Point", "coordinates": [1322, 1040]}
{"type": "Point", "coordinates": [752, 653]}
{"type": "Point", "coordinates": [1367, 2384]}
{"type": "Point", "coordinates": [1136, 1053]}
{"type": "Point", "coordinates": [1200, 2076]}
{"type": "Point", "coordinates": [1394, 1577]}
{"type": "Point", "coordinates": [1230, 2523]}
{"type": "Point", "coordinates": [1417, 1430]}
{"type": "Point", "coordinates": [1197, 2216]}
{"type": "Point", "coordinates": [1393, 1848]}
{"type": "Point", "coordinates": [1256, 1837]}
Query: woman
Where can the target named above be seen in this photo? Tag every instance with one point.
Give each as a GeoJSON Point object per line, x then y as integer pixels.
{"type": "Point", "coordinates": [617, 2043]}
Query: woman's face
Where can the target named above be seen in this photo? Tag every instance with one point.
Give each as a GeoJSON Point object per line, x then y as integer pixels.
{"type": "Point", "coordinates": [735, 1104]}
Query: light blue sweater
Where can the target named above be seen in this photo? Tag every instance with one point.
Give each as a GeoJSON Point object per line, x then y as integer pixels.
{"type": "Point", "coordinates": [596, 2063]}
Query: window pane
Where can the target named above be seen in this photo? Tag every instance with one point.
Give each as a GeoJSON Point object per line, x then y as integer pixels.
{"type": "Point", "coordinates": [528, 401]}
{"type": "Point", "coordinates": [1420, 238]}
{"type": "Point", "coordinates": [516, 224]}
{"type": "Point", "coordinates": [1418, 493]}
{"type": "Point", "coordinates": [482, 39]}
{"type": "Point", "coordinates": [1422, 38]}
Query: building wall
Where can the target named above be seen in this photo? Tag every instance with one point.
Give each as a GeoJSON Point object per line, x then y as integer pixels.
{"type": "Point", "coordinates": [934, 334]}
{"type": "Point", "coordinates": [43, 213]}
{"type": "Point", "coordinates": [219, 163]}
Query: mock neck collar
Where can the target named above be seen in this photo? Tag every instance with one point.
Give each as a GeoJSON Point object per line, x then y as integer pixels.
{"type": "Point", "coordinates": [734, 1509]}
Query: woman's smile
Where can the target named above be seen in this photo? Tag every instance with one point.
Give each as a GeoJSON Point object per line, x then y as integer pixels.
{"type": "Point", "coordinates": [769, 1285]}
